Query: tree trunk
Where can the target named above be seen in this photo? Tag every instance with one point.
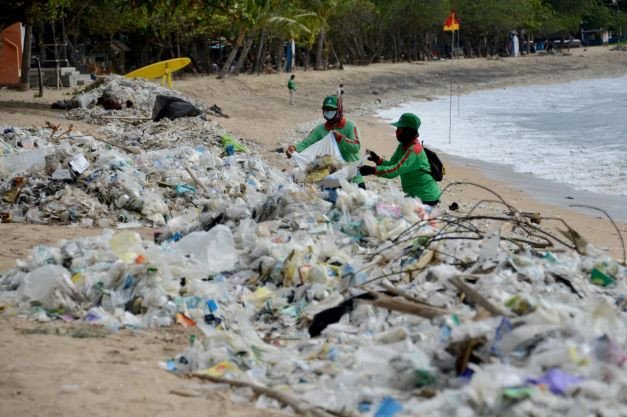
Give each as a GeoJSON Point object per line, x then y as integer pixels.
{"type": "Point", "coordinates": [306, 58]}
{"type": "Point", "coordinates": [232, 55]}
{"type": "Point", "coordinates": [243, 55]}
{"type": "Point", "coordinates": [395, 47]}
{"type": "Point", "coordinates": [414, 48]}
{"type": "Point", "coordinates": [340, 66]}
{"type": "Point", "coordinates": [40, 80]}
{"type": "Point", "coordinates": [178, 44]}
{"type": "Point", "coordinates": [26, 52]}
{"type": "Point", "coordinates": [319, 50]}
{"type": "Point", "coordinates": [260, 57]}
{"type": "Point", "coordinates": [144, 55]}
{"type": "Point", "coordinates": [204, 54]}
{"type": "Point", "coordinates": [279, 57]}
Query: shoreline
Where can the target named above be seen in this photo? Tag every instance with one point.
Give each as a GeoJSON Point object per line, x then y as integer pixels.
{"type": "Point", "coordinates": [542, 189]}
{"type": "Point", "coordinates": [513, 188]}
{"type": "Point", "coordinates": [547, 191]}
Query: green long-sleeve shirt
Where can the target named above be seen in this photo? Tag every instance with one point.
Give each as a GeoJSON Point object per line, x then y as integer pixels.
{"type": "Point", "coordinates": [291, 84]}
{"type": "Point", "coordinates": [349, 145]}
{"type": "Point", "coordinates": [411, 163]}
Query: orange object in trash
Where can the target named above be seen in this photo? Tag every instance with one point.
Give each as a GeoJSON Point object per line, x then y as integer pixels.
{"type": "Point", "coordinates": [184, 321]}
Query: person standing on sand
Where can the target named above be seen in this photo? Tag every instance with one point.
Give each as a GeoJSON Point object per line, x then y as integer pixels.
{"type": "Point", "coordinates": [340, 90]}
{"type": "Point", "coordinates": [344, 130]}
{"type": "Point", "coordinates": [409, 161]}
{"type": "Point", "coordinates": [291, 86]}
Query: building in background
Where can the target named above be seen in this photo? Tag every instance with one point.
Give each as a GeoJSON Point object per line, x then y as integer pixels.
{"type": "Point", "coordinates": [11, 45]}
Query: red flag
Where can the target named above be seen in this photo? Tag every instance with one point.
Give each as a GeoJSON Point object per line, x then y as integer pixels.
{"type": "Point", "coordinates": [452, 23]}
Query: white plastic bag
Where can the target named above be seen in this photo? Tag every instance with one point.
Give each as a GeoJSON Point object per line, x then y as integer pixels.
{"type": "Point", "coordinates": [49, 285]}
{"type": "Point", "coordinates": [325, 146]}
{"type": "Point", "coordinates": [346, 173]}
{"type": "Point", "coordinates": [214, 248]}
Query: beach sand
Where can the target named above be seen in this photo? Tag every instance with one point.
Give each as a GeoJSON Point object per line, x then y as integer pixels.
{"type": "Point", "coordinates": [48, 372]}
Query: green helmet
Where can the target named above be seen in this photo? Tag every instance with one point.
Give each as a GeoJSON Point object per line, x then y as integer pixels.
{"type": "Point", "coordinates": [330, 102]}
{"type": "Point", "coordinates": [408, 120]}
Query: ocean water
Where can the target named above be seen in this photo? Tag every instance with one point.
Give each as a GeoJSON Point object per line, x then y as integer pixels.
{"type": "Point", "coordinates": [571, 133]}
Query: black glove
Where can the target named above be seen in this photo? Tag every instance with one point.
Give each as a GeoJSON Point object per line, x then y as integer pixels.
{"type": "Point", "coordinates": [367, 170]}
{"type": "Point", "coordinates": [374, 158]}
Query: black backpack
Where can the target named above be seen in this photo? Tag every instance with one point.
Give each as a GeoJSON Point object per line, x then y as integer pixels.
{"type": "Point", "coordinates": [437, 167]}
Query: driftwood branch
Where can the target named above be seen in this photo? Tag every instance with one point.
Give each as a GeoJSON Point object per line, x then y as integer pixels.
{"type": "Point", "coordinates": [131, 149]}
{"type": "Point", "coordinates": [620, 236]}
{"type": "Point", "coordinates": [195, 178]}
{"type": "Point", "coordinates": [404, 306]}
{"type": "Point", "coordinates": [299, 406]}
{"type": "Point", "coordinates": [474, 296]}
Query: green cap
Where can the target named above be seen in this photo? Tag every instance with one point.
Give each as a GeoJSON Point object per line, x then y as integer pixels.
{"type": "Point", "coordinates": [330, 102]}
{"type": "Point", "coordinates": [408, 120]}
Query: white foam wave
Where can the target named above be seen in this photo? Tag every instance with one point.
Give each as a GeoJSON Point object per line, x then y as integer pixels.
{"type": "Point", "coordinates": [573, 133]}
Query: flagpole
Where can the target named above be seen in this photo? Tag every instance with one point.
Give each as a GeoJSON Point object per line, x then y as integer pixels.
{"type": "Point", "coordinates": [450, 113]}
{"type": "Point", "coordinates": [458, 99]}
{"type": "Point", "coordinates": [451, 24]}
{"type": "Point", "coordinates": [450, 107]}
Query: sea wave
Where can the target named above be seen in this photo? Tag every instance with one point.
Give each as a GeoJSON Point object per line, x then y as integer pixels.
{"type": "Point", "coordinates": [573, 133]}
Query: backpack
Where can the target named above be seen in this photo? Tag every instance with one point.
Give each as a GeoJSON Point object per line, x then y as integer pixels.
{"type": "Point", "coordinates": [437, 167]}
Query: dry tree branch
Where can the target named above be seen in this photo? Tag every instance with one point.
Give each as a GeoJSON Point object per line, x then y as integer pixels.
{"type": "Point", "coordinates": [474, 296]}
{"type": "Point", "coordinates": [501, 199]}
{"type": "Point", "coordinates": [300, 407]}
{"type": "Point", "coordinates": [620, 236]}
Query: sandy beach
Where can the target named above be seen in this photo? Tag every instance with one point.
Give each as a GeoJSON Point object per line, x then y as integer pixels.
{"type": "Point", "coordinates": [258, 107]}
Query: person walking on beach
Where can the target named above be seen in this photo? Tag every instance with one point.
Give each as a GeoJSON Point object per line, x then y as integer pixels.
{"type": "Point", "coordinates": [340, 90]}
{"type": "Point", "coordinates": [291, 86]}
{"type": "Point", "coordinates": [344, 130]}
{"type": "Point", "coordinates": [409, 161]}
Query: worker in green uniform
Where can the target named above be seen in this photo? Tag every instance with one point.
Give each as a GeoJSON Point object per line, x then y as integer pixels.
{"type": "Point", "coordinates": [409, 161]}
{"type": "Point", "coordinates": [344, 130]}
{"type": "Point", "coordinates": [291, 86]}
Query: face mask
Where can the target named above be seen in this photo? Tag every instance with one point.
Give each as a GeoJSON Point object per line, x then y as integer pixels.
{"type": "Point", "coordinates": [329, 114]}
{"type": "Point", "coordinates": [405, 135]}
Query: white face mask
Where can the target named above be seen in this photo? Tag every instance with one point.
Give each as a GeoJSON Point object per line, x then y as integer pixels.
{"type": "Point", "coordinates": [329, 114]}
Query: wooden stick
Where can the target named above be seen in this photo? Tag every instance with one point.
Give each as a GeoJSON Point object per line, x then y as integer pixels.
{"type": "Point", "coordinates": [403, 306]}
{"type": "Point", "coordinates": [300, 407]}
{"type": "Point", "coordinates": [474, 296]}
{"type": "Point", "coordinates": [196, 180]}
{"type": "Point", "coordinates": [131, 149]}
{"type": "Point", "coordinates": [392, 289]}
{"type": "Point", "coordinates": [126, 118]}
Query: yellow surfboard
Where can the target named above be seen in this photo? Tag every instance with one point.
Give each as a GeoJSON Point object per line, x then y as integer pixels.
{"type": "Point", "coordinates": [161, 69]}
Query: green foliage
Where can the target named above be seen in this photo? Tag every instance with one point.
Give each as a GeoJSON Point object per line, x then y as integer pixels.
{"type": "Point", "coordinates": [110, 17]}
{"type": "Point", "coordinates": [361, 29]}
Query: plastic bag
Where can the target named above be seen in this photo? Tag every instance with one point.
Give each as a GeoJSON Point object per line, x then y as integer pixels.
{"type": "Point", "coordinates": [50, 285]}
{"type": "Point", "coordinates": [346, 173]}
{"type": "Point", "coordinates": [325, 146]}
{"type": "Point", "coordinates": [214, 248]}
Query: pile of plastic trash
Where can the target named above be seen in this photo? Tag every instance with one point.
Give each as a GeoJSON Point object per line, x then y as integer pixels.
{"type": "Point", "coordinates": [368, 303]}
{"type": "Point", "coordinates": [114, 97]}
{"type": "Point", "coordinates": [353, 306]}
{"type": "Point", "coordinates": [131, 176]}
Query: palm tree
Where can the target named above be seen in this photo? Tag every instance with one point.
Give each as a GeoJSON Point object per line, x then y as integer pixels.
{"type": "Point", "coordinates": [252, 16]}
{"type": "Point", "coordinates": [322, 11]}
